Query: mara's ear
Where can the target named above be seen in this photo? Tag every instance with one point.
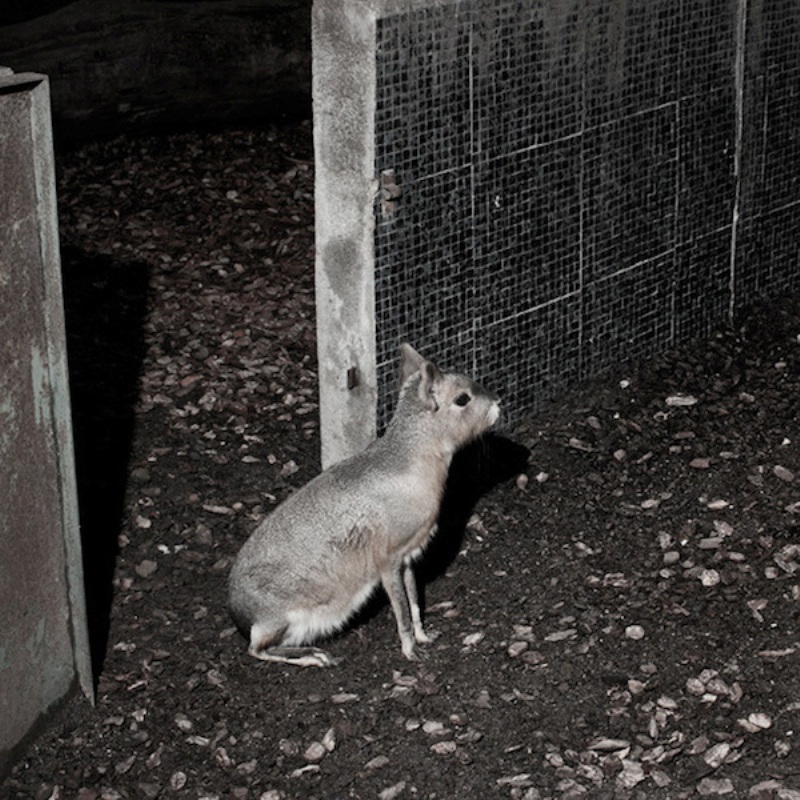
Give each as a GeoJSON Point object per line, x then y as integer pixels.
{"type": "Point", "coordinates": [410, 361]}
{"type": "Point", "coordinates": [430, 376]}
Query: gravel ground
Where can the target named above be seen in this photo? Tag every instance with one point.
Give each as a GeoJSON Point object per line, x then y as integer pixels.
{"type": "Point", "coordinates": [618, 616]}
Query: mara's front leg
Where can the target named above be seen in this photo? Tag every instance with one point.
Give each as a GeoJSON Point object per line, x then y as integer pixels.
{"type": "Point", "coordinates": [410, 585]}
{"type": "Point", "coordinates": [395, 586]}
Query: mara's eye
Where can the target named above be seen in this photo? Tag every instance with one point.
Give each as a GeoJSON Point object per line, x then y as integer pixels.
{"type": "Point", "coordinates": [463, 399]}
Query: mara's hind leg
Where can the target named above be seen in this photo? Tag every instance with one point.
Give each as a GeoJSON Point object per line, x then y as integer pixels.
{"type": "Point", "coordinates": [263, 645]}
{"type": "Point", "coordinates": [300, 656]}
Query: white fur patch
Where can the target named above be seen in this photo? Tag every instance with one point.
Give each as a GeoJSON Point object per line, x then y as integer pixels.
{"type": "Point", "coordinates": [309, 624]}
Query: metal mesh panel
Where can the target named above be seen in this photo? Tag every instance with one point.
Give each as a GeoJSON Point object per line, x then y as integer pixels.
{"type": "Point", "coordinates": [568, 182]}
{"type": "Point", "coordinates": [576, 183]}
{"type": "Point", "coordinates": [424, 270]}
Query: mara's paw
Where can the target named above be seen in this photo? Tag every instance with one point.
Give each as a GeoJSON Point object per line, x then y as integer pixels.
{"type": "Point", "coordinates": [414, 653]}
{"type": "Point", "coordinates": [319, 658]}
{"type": "Point", "coordinates": [426, 637]}
{"type": "Point", "coordinates": [299, 656]}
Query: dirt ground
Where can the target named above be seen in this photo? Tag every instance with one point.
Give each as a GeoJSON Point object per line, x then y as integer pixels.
{"type": "Point", "coordinates": [618, 618]}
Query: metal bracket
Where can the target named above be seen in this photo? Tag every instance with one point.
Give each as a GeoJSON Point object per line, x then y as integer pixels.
{"type": "Point", "coordinates": [390, 193]}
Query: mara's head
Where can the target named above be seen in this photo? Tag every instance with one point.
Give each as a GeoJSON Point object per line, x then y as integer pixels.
{"type": "Point", "coordinates": [454, 408]}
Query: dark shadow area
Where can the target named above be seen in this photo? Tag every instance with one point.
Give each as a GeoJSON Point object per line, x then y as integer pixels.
{"type": "Point", "coordinates": [105, 305]}
{"type": "Point", "coordinates": [476, 470]}
{"type": "Point", "coordinates": [132, 68]}
{"type": "Point", "coordinates": [282, 108]}
{"type": "Point", "coordinates": [13, 12]}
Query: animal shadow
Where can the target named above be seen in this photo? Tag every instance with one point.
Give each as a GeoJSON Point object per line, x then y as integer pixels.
{"type": "Point", "coordinates": [475, 471]}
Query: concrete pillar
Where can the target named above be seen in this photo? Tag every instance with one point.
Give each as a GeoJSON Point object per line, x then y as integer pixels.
{"type": "Point", "coordinates": [44, 648]}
